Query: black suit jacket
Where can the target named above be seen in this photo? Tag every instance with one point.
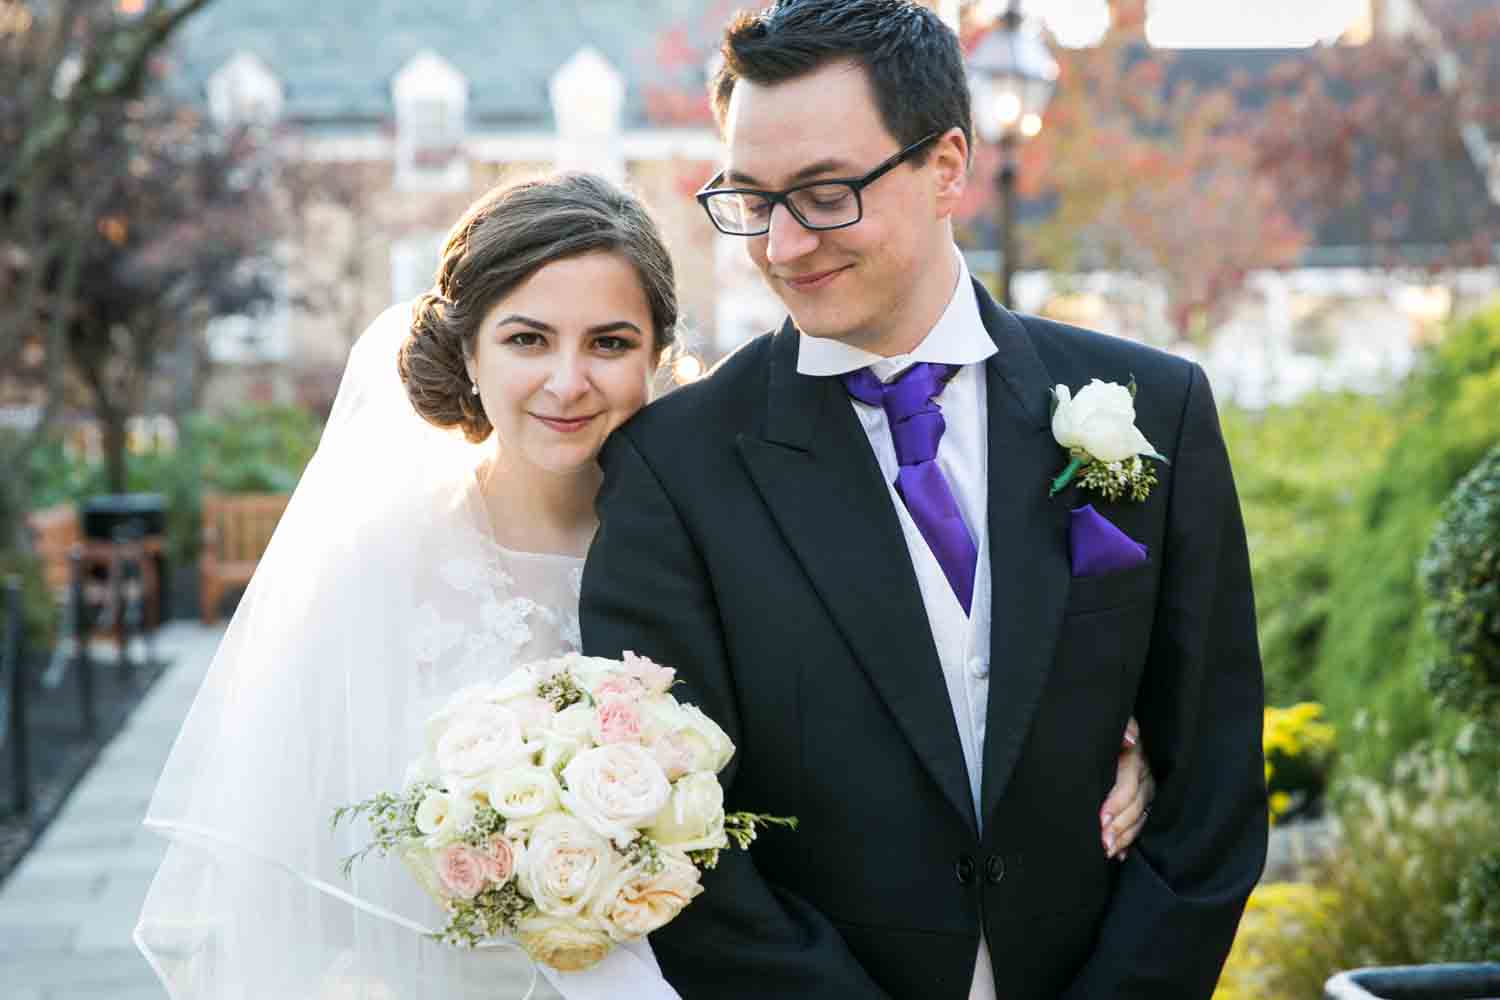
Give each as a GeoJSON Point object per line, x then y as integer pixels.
{"type": "Point", "coordinates": [747, 539]}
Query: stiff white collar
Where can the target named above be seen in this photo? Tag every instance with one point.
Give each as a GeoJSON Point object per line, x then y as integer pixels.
{"type": "Point", "coordinates": [959, 338]}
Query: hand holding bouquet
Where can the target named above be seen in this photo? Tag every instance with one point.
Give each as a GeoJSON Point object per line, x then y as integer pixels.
{"type": "Point", "coordinates": [570, 806]}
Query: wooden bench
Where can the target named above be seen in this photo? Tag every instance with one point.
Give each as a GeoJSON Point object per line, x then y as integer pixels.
{"type": "Point", "coordinates": [55, 533]}
{"type": "Point", "coordinates": [236, 530]}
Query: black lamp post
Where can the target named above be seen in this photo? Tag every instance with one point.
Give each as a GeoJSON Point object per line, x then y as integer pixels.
{"type": "Point", "coordinates": [1011, 76]}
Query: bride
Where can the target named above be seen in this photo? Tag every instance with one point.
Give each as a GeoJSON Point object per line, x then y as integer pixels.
{"type": "Point", "coordinates": [436, 539]}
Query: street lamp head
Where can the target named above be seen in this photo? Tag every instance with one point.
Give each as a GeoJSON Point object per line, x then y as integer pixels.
{"type": "Point", "coordinates": [1011, 76]}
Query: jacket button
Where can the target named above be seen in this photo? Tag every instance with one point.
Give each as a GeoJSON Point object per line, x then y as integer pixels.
{"type": "Point", "coordinates": [994, 869]}
{"type": "Point", "coordinates": [964, 869]}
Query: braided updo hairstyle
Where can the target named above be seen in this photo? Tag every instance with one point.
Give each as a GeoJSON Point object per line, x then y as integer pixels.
{"type": "Point", "coordinates": [506, 236]}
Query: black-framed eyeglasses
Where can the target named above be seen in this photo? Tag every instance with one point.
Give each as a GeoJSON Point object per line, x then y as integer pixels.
{"type": "Point", "coordinates": [831, 203]}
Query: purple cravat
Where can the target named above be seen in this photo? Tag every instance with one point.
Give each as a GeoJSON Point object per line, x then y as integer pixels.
{"type": "Point", "coordinates": [917, 426]}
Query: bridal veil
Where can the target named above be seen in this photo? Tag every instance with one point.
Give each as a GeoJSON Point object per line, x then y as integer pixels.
{"type": "Point", "coordinates": [381, 592]}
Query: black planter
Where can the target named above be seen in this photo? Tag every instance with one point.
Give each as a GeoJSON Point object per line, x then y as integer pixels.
{"type": "Point", "coordinates": [1459, 981]}
{"type": "Point", "coordinates": [138, 515]}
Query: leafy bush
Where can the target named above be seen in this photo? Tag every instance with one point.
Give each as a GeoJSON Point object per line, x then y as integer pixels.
{"type": "Point", "coordinates": [1388, 895]}
{"type": "Point", "coordinates": [1296, 470]}
{"type": "Point", "coordinates": [38, 611]}
{"type": "Point", "coordinates": [1461, 577]}
{"type": "Point", "coordinates": [1277, 941]}
{"type": "Point", "coordinates": [1474, 931]}
{"type": "Point", "coordinates": [1299, 748]}
{"type": "Point", "coordinates": [1370, 657]}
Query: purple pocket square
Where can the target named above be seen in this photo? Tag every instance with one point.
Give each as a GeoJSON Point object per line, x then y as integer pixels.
{"type": "Point", "coordinates": [1098, 547]}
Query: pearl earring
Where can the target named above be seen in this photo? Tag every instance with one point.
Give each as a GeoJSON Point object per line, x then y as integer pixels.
{"type": "Point", "coordinates": [474, 389]}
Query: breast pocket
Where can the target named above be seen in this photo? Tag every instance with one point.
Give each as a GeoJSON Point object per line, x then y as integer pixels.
{"type": "Point", "coordinates": [1092, 594]}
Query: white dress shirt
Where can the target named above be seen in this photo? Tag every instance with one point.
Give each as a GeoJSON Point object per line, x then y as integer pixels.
{"type": "Point", "coordinates": [962, 641]}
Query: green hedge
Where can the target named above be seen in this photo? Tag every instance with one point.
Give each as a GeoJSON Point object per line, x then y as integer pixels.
{"type": "Point", "coordinates": [1340, 496]}
{"type": "Point", "coordinates": [1372, 657]}
{"type": "Point", "coordinates": [1295, 469]}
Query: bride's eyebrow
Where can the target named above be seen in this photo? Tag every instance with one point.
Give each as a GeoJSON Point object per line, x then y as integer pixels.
{"type": "Point", "coordinates": [536, 324]}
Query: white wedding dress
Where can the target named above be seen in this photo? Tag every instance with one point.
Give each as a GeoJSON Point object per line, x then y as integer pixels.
{"type": "Point", "coordinates": [382, 592]}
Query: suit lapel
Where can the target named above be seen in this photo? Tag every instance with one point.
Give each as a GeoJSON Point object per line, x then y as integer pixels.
{"type": "Point", "coordinates": [1029, 572]}
{"type": "Point", "coordinates": [817, 474]}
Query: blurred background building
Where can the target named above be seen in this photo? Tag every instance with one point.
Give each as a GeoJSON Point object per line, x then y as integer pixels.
{"type": "Point", "coordinates": [384, 119]}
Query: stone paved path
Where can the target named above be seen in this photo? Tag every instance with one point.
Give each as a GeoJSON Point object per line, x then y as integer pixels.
{"type": "Point", "coordinates": [67, 911]}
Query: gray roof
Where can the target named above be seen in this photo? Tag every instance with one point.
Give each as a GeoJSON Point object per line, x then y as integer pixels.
{"type": "Point", "coordinates": [336, 59]}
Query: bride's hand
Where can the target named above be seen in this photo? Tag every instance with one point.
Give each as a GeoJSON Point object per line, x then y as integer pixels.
{"type": "Point", "coordinates": [1124, 813]}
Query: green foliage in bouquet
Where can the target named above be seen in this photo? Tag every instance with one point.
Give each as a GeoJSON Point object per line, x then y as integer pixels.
{"type": "Point", "coordinates": [1461, 577]}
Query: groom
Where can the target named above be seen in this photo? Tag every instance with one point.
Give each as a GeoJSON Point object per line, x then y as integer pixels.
{"type": "Point", "coordinates": [843, 541]}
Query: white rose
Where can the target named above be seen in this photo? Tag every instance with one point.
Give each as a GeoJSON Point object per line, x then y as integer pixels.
{"type": "Point", "coordinates": [522, 793]}
{"type": "Point", "coordinates": [633, 903]}
{"type": "Point", "coordinates": [591, 671]}
{"type": "Point", "coordinates": [563, 944]}
{"type": "Point", "coordinates": [480, 740]}
{"type": "Point", "coordinates": [443, 817]}
{"type": "Point", "coordinates": [566, 733]}
{"type": "Point", "coordinates": [1099, 420]}
{"type": "Point", "coordinates": [517, 684]}
{"type": "Point", "coordinates": [564, 865]}
{"type": "Point", "coordinates": [687, 739]}
{"type": "Point", "coordinates": [715, 746]}
{"type": "Point", "coordinates": [693, 819]}
{"type": "Point", "coordinates": [615, 789]}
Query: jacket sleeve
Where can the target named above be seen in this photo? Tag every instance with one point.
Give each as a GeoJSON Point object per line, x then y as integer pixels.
{"type": "Point", "coordinates": [647, 590]}
{"type": "Point", "coordinates": [1181, 892]}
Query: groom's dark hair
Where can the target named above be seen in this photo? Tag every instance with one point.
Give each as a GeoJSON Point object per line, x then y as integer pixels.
{"type": "Point", "coordinates": [911, 58]}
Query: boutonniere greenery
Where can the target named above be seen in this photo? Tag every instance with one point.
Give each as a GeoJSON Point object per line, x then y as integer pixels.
{"type": "Point", "coordinates": [1107, 453]}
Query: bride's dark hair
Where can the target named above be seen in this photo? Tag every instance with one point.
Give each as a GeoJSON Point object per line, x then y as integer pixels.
{"type": "Point", "coordinates": [512, 231]}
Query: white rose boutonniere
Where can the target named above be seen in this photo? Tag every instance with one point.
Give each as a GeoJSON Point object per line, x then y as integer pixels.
{"type": "Point", "coordinates": [1097, 427]}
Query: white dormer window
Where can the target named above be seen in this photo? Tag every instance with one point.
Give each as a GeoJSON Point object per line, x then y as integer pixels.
{"type": "Point", "coordinates": [588, 96]}
{"type": "Point", "coordinates": [244, 91]}
{"type": "Point", "coordinates": [431, 99]}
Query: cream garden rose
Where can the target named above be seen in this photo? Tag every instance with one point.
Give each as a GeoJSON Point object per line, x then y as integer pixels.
{"type": "Point", "coordinates": [615, 789]}
{"type": "Point", "coordinates": [636, 902]}
{"type": "Point", "coordinates": [1100, 420]}
{"type": "Point", "coordinates": [523, 793]}
{"type": "Point", "coordinates": [443, 817]}
{"type": "Point", "coordinates": [566, 733]}
{"type": "Point", "coordinates": [685, 738]}
{"type": "Point", "coordinates": [564, 864]}
{"type": "Point", "coordinates": [479, 741]}
{"type": "Point", "coordinates": [693, 818]}
{"type": "Point", "coordinates": [562, 944]}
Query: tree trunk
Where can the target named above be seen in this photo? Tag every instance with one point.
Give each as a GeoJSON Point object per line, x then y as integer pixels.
{"type": "Point", "coordinates": [112, 428]}
{"type": "Point", "coordinates": [12, 504]}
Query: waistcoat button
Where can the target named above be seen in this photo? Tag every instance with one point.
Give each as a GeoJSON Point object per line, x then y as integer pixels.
{"type": "Point", "coordinates": [964, 869]}
{"type": "Point", "coordinates": [994, 869]}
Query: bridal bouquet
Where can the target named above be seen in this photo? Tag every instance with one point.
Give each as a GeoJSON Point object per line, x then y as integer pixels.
{"type": "Point", "coordinates": [570, 806]}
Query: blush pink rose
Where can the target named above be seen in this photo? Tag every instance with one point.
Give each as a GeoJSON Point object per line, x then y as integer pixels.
{"type": "Point", "coordinates": [462, 870]}
{"type": "Point", "coordinates": [618, 687]}
{"type": "Point", "coordinates": [618, 722]}
{"type": "Point", "coordinates": [653, 676]}
{"type": "Point", "coordinates": [499, 860]}
{"type": "Point", "coordinates": [675, 754]}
